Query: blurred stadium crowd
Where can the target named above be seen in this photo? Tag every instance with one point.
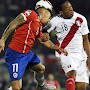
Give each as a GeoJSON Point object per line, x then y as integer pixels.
{"type": "Point", "coordinates": [9, 9]}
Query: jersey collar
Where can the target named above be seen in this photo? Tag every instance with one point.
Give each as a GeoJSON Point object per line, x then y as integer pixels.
{"type": "Point", "coordinates": [38, 15]}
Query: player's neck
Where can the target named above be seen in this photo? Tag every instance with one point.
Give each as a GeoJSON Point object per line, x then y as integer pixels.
{"type": "Point", "coordinates": [65, 17]}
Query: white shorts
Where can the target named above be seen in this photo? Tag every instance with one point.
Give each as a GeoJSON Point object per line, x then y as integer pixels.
{"type": "Point", "coordinates": [75, 62]}
{"type": "Point", "coordinates": [82, 72]}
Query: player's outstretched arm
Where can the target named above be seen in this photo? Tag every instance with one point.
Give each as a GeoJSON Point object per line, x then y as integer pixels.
{"type": "Point", "coordinates": [86, 45]}
{"type": "Point", "coordinates": [19, 20]}
{"type": "Point", "coordinates": [51, 45]}
{"type": "Point", "coordinates": [45, 37]}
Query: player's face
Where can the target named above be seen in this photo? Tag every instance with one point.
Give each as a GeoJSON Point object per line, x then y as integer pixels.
{"type": "Point", "coordinates": [67, 10]}
{"type": "Point", "coordinates": [51, 77]}
{"type": "Point", "coordinates": [46, 17]}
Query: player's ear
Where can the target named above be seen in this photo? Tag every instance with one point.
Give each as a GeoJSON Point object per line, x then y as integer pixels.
{"type": "Point", "coordinates": [60, 12]}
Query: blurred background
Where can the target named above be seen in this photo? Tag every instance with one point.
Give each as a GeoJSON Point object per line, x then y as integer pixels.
{"type": "Point", "coordinates": [9, 9]}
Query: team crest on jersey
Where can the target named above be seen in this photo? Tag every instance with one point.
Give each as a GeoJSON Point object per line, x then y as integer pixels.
{"type": "Point", "coordinates": [78, 23]}
{"type": "Point", "coordinates": [15, 75]}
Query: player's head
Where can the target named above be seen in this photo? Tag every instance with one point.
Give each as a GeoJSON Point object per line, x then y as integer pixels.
{"type": "Point", "coordinates": [65, 9]}
{"type": "Point", "coordinates": [50, 77]}
{"type": "Point", "coordinates": [44, 7]}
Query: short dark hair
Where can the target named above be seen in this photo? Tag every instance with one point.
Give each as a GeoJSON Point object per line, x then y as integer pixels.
{"type": "Point", "coordinates": [58, 4]}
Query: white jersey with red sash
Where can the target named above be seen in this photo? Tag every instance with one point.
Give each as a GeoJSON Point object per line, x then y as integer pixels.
{"type": "Point", "coordinates": [69, 36]}
{"type": "Point", "coordinates": [69, 32]}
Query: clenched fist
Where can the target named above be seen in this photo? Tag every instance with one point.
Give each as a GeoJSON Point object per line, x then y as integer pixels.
{"type": "Point", "coordinates": [45, 37]}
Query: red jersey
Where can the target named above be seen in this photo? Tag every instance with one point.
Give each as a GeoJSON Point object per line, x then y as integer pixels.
{"type": "Point", "coordinates": [24, 35]}
{"type": "Point", "coordinates": [54, 82]}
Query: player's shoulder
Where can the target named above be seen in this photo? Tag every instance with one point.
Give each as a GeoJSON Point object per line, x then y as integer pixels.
{"type": "Point", "coordinates": [56, 18]}
{"type": "Point", "coordinates": [79, 15]}
{"type": "Point", "coordinates": [30, 11]}
{"type": "Point", "coordinates": [30, 15]}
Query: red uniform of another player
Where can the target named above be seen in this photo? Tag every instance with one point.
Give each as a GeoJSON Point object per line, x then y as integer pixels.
{"type": "Point", "coordinates": [24, 37]}
{"type": "Point", "coordinates": [54, 82]}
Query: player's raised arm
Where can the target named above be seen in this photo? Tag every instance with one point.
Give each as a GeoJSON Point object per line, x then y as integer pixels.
{"type": "Point", "coordinates": [51, 45]}
{"type": "Point", "coordinates": [19, 20]}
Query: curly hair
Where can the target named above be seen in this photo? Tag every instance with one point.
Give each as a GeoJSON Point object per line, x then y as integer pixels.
{"type": "Point", "coordinates": [57, 5]}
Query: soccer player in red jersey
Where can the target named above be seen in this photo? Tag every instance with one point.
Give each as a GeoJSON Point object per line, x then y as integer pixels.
{"type": "Point", "coordinates": [18, 56]}
{"type": "Point", "coordinates": [51, 80]}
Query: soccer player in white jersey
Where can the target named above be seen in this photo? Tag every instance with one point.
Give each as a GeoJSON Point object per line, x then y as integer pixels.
{"type": "Point", "coordinates": [72, 34]}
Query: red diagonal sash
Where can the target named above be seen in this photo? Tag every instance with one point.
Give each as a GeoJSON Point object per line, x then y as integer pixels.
{"type": "Point", "coordinates": [71, 33]}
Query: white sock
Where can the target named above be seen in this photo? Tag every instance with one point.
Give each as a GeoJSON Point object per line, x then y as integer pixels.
{"type": "Point", "coordinates": [10, 88]}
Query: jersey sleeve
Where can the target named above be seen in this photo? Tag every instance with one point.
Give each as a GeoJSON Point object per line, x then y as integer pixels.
{"type": "Point", "coordinates": [29, 15]}
{"type": "Point", "coordinates": [40, 34]}
{"type": "Point", "coordinates": [57, 83]}
{"type": "Point", "coordinates": [85, 29]}
{"type": "Point", "coordinates": [50, 26]}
